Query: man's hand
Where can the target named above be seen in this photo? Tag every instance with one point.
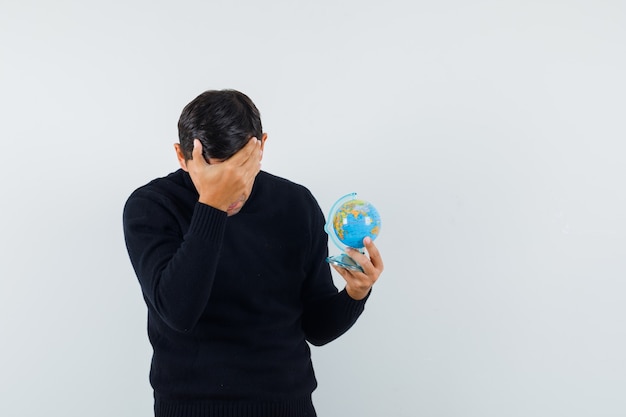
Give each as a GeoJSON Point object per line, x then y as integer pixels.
{"type": "Point", "coordinates": [225, 185]}
{"type": "Point", "coordinates": [358, 284]}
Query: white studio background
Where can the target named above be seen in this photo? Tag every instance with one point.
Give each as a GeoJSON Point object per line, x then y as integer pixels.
{"type": "Point", "coordinates": [489, 134]}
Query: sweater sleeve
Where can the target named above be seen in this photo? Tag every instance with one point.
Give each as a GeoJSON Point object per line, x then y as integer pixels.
{"type": "Point", "coordinates": [328, 313]}
{"type": "Point", "coordinates": [327, 319]}
{"type": "Point", "coordinates": [176, 272]}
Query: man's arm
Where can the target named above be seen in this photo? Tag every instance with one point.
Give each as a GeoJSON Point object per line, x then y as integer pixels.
{"type": "Point", "coordinates": [328, 313]}
{"type": "Point", "coordinates": [177, 272]}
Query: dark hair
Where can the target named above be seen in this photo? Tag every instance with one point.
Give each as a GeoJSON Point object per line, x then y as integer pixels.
{"type": "Point", "coordinates": [223, 121]}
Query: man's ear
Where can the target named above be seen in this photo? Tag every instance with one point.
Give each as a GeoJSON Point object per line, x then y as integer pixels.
{"type": "Point", "coordinates": [181, 157]}
{"type": "Point", "coordinates": [263, 139]}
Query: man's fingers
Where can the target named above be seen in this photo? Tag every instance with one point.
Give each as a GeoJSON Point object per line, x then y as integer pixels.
{"type": "Point", "coordinates": [363, 261]}
{"type": "Point", "coordinates": [372, 265]}
{"type": "Point", "coordinates": [358, 257]}
{"type": "Point", "coordinates": [342, 271]}
{"type": "Point", "coordinates": [375, 257]}
{"type": "Point", "coordinates": [250, 158]}
{"type": "Point", "coordinates": [197, 149]}
{"type": "Point", "coordinates": [247, 152]}
{"type": "Point", "coordinates": [349, 275]}
{"type": "Point", "coordinates": [196, 154]}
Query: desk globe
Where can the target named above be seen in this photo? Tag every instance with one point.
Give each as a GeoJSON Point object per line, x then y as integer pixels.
{"type": "Point", "coordinates": [350, 221]}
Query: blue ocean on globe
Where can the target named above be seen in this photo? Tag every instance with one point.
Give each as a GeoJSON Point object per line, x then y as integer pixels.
{"type": "Point", "coordinates": [355, 220]}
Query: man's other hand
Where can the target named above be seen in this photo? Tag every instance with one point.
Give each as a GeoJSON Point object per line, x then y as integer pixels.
{"type": "Point", "coordinates": [359, 284]}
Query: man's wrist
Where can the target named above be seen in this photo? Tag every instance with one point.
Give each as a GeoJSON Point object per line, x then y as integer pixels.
{"type": "Point", "coordinates": [357, 294]}
{"type": "Point", "coordinates": [209, 202]}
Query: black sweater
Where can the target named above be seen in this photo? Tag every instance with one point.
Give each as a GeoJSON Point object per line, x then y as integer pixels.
{"type": "Point", "coordinates": [232, 301]}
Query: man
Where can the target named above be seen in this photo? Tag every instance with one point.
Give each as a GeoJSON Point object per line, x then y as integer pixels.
{"type": "Point", "coordinates": [231, 262]}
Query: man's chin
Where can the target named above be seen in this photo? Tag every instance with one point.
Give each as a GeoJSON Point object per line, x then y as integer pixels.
{"type": "Point", "coordinates": [234, 209]}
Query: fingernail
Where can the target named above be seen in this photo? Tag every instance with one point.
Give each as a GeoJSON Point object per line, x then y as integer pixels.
{"type": "Point", "coordinates": [367, 240]}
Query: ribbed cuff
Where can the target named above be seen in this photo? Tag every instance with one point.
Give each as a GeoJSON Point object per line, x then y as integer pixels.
{"type": "Point", "coordinates": [354, 307]}
{"type": "Point", "coordinates": [207, 222]}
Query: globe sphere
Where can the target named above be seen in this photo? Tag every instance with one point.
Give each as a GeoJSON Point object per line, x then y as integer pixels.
{"type": "Point", "coordinates": [354, 220]}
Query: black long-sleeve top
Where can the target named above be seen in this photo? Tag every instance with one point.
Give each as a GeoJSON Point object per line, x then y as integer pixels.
{"type": "Point", "coordinates": [232, 301]}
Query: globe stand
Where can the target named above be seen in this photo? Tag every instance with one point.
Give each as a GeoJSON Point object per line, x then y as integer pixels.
{"type": "Point", "coordinates": [344, 261]}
